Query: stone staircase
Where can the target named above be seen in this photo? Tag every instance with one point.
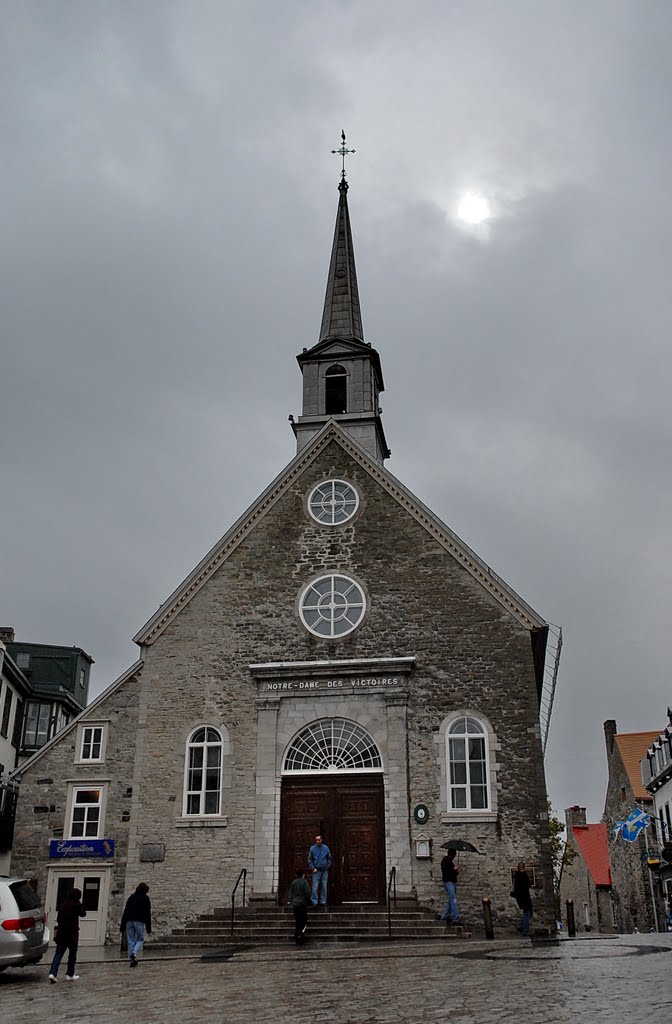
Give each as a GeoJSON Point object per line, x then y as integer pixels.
{"type": "Point", "coordinates": [263, 924]}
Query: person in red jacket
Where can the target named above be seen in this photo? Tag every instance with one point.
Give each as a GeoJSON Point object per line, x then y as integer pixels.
{"type": "Point", "coordinates": [67, 936]}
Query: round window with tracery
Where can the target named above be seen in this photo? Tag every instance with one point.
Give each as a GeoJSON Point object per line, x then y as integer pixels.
{"type": "Point", "coordinates": [332, 606]}
{"type": "Point", "coordinates": [333, 502]}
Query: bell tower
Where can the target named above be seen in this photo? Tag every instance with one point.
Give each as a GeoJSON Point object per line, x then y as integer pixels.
{"type": "Point", "coordinates": [342, 375]}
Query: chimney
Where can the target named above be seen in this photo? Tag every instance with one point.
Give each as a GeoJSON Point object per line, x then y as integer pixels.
{"type": "Point", "coordinates": [7, 634]}
{"type": "Point", "coordinates": [610, 731]}
{"type": "Point", "coordinates": [575, 816]}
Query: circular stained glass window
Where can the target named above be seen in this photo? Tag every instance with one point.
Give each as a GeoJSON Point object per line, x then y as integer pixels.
{"type": "Point", "coordinates": [332, 606]}
{"type": "Point", "coordinates": [333, 502]}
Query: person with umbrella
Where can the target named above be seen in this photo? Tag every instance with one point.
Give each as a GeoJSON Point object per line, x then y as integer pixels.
{"type": "Point", "coordinates": [521, 894]}
{"type": "Point", "coordinates": [449, 870]}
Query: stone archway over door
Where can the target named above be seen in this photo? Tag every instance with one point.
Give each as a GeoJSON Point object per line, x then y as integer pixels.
{"type": "Point", "coordinates": [349, 812]}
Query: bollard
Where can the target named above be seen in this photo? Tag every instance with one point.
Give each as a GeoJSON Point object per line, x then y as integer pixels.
{"type": "Point", "coordinates": [487, 918]}
{"type": "Point", "coordinates": [571, 924]}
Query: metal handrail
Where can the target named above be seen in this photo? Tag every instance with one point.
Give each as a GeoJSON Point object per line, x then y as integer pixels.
{"type": "Point", "coordinates": [243, 875]}
{"type": "Point", "coordinates": [391, 888]}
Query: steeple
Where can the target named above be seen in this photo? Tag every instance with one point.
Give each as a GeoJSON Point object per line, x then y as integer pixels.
{"type": "Point", "coordinates": [342, 317]}
{"type": "Point", "coordinates": [342, 375]}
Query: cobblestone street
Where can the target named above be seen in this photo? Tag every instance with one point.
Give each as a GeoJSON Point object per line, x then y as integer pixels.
{"type": "Point", "coordinates": [465, 983]}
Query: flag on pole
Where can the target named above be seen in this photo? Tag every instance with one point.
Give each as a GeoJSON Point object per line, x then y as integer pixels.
{"type": "Point", "coordinates": [635, 823]}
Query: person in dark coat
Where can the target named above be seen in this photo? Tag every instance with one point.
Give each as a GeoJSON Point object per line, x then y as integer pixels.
{"type": "Point", "coordinates": [521, 894]}
{"type": "Point", "coordinates": [136, 919]}
{"type": "Point", "coordinates": [299, 898]}
{"type": "Point", "coordinates": [66, 935]}
{"type": "Point", "coordinates": [449, 870]}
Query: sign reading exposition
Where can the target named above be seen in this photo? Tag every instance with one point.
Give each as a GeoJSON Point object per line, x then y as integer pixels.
{"type": "Point", "coordinates": [81, 847]}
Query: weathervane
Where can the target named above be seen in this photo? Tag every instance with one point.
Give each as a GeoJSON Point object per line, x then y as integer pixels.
{"type": "Point", "coordinates": [343, 152]}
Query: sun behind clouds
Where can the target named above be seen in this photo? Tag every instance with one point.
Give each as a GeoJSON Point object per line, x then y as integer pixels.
{"type": "Point", "coordinates": [473, 208]}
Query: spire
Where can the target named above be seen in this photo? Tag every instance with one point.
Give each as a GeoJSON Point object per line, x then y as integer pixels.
{"type": "Point", "coordinates": [342, 317]}
{"type": "Point", "coordinates": [342, 375]}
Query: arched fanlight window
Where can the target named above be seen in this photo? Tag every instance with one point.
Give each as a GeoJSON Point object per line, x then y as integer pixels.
{"type": "Point", "coordinates": [333, 745]}
{"type": "Point", "coordinates": [335, 391]}
{"type": "Point", "coordinates": [467, 765]}
{"type": "Point", "coordinates": [203, 772]}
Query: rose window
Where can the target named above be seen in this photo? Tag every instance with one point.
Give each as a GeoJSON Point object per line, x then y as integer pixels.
{"type": "Point", "coordinates": [332, 606]}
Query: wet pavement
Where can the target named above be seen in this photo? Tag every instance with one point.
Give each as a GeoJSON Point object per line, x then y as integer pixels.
{"type": "Point", "coordinates": [472, 982]}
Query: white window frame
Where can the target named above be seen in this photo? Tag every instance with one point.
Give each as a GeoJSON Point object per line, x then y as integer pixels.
{"type": "Point", "coordinates": [453, 815]}
{"type": "Point", "coordinates": [187, 792]}
{"type": "Point", "coordinates": [72, 804]}
{"type": "Point", "coordinates": [320, 603]}
{"type": "Point", "coordinates": [330, 739]}
{"type": "Point", "coordinates": [333, 483]}
{"type": "Point", "coordinates": [81, 738]}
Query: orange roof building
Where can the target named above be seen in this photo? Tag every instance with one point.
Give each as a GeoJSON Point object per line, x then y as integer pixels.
{"type": "Point", "coordinates": [632, 747]}
{"type": "Point", "coordinates": [586, 874]}
{"type": "Point", "coordinates": [593, 843]}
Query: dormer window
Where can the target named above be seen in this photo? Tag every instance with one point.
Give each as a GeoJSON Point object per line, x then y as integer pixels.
{"type": "Point", "coordinates": [335, 391]}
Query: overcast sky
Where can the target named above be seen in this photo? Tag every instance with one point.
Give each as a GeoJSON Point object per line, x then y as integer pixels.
{"type": "Point", "coordinates": [167, 206]}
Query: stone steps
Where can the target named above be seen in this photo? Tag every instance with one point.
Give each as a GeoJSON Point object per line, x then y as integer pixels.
{"type": "Point", "coordinates": [271, 925]}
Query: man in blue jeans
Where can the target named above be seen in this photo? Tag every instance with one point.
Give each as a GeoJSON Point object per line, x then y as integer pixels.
{"type": "Point", "coordinates": [319, 859]}
{"type": "Point", "coordinates": [137, 918]}
{"type": "Point", "coordinates": [449, 881]}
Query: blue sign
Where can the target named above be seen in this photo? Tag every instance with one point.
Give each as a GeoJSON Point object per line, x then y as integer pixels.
{"type": "Point", "coordinates": [81, 847]}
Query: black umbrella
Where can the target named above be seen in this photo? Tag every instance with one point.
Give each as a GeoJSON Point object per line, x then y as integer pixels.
{"type": "Point", "coordinates": [459, 844]}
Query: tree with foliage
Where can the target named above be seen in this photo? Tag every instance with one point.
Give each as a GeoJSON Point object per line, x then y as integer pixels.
{"type": "Point", "coordinates": [561, 853]}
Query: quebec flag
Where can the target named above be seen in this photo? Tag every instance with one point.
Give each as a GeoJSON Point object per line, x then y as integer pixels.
{"type": "Point", "coordinates": [635, 823]}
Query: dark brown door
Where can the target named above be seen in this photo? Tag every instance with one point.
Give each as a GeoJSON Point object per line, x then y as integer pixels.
{"type": "Point", "coordinates": [348, 811]}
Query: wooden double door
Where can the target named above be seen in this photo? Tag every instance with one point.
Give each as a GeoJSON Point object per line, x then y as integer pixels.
{"type": "Point", "coordinates": [348, 811]}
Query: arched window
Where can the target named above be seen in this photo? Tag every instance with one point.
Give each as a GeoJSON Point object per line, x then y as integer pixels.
{"type": "Point", "coordinates": [335, 391]}
{"type": "Point", "coordinates": [203, 772]}
{"type": "Point", "coordinates": [467, 757]}
{"type": "Point", "coordinates": [333, 745]}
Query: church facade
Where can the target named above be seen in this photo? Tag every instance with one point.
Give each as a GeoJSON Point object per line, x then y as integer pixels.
{"type": "Point", "coordinates": [339, 663]}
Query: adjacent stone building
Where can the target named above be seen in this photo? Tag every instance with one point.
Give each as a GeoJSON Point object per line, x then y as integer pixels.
{"type": "Point", "coordinates": [586, 873]}
{"type": "Point", "coordinates": [630, 872]}
{"type": "Point", "coordinates": [340, 662]}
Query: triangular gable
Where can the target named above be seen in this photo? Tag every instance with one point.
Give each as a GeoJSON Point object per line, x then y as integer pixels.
{"type": "Point", "coordinates": [331, 431]}
{"type": "Point", "coordinates": [593, 842]}
{"type": "Point", "coordinates": [351, 346]}
{"type": "Point", "coordinates": [632, 747]}
{"type": "Point", "coordinates": [88, 712]}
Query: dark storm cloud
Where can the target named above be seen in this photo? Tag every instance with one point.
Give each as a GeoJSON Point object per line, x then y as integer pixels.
{"type": "Point", "coordinates": [168, 205]}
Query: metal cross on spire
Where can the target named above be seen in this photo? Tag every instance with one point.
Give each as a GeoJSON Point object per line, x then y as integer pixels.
{"type": "Point", "coordinates": [343, 152]}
